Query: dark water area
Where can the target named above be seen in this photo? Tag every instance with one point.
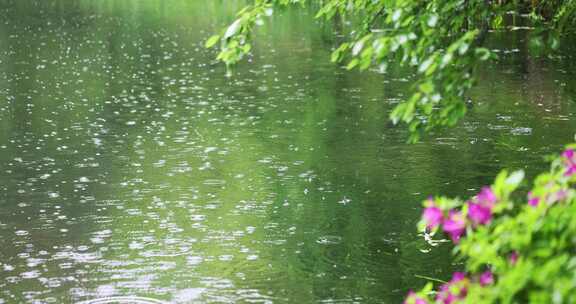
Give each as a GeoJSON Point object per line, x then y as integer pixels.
{"type": "Point", "coordinates": [133, 167]}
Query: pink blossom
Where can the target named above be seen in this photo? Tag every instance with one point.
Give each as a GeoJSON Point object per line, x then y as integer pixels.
{"type": "Point", "coordinates": [480, 209]}
{"type": "Point", "coordinates": [571, 169]}
{"type": "Point", "coordinates": [533, 200]}
{"type": "Point", "coordinates": [479, 214]}
{"type": "Point", "coordinates": [456, 289]}
{"type": "Point", "coordinates": [455, 225]}
{"type": "Point", "coordinates": [487, 197]}
{"type": "Point", "coordinates": [433, 216]}
{"type": "Point", "coordinates": [445, 296]}
{"type": "Point", "coordinates": [568, 156]}
{"type": "Point", "coordinates": [568, 153]}
{"type": "Point", "coordinates": [513, 258]}
{"type": "Point", "coordinates": [558, 196]}
{"type": "Point", "coordinates": [550, 198]}
{"type": "Point", "coordinates": [457, 277]}
{"type": "Point", "coordinates": [486, 278]}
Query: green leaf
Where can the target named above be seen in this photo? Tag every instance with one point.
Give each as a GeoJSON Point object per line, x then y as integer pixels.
{"type": "Point", "coordinates": [483, 53]}
{"type": "Point", "coordinates": [212, 41]}
{"type": "Point", "coordinates": [427, 87]}
{"type": "Point", "coordinates": [353, 63]}
{"type": "Point", "coordinates": [425, 65]}
{"type": "Point", "coordinates": [335, 57]}
{"type": "Point", "coordinates": [233, 29]}
{"type": "Point", "coordinates": [515, 178]}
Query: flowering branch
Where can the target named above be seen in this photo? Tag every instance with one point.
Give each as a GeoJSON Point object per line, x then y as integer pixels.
{"type": "Point", "coordinates": [513, 253]}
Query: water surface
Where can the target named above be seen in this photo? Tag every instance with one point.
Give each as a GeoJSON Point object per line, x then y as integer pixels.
{"type": "Point", "coordinates": [133, 167]}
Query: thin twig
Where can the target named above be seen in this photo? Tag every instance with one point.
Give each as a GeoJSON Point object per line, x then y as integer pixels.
{"type": "Point", "coordinates": [430, 278]}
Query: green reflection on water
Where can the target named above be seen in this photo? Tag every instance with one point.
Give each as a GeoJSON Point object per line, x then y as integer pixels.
{"type": "Point", "coordinates": [133, 167]}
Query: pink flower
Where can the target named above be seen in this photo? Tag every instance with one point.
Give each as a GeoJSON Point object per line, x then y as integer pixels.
{"type": "Point", "coordinates": [568, 156]}
{"type": "Point", "coordinates": [479, 214]}
{"type": "Point", "coordinates": [533, 201]}
{"type": "Point", "coordinates": [455, 225]}
{"type": "Point", "coordinates": [487, 197]}
{"type": "Point", "coordinates": [457, 277]}
{"type": "Point", "coordinates": [568, 153]}
{"type": "Point", "coordinates": [558, 196]}
{"type": "Point", "coordinates": [513, 258]}
{"type": "Point", "coordinates": [571, 169]}
{"type": "Point", "coordinates": [480, 208]}
{"type": "Point", "coordinates": [550, 198]}
{"type": "Point", "coordinates": [433, 216]}
{"type": "Point", "coordinates": [455, 290]}
{"type": "Point", "coordinates": [413, 298]}
{"type": "Point", "coordinates": [486, 278]}
{"type": "Point", "coordinates": [445, 296]}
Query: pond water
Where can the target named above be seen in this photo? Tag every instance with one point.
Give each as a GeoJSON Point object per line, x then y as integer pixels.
{"type": "Point", "coordinates": [134, 169]}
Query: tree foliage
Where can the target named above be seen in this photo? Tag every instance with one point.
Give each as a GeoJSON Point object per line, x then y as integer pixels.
{"type": "Point", "coordinates": [441, 41]}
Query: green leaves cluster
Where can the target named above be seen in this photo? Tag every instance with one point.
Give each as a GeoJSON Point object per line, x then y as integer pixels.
{"type": "Point", "coordinates": [438, 40]}
{"type": "Point", "coordinates": [442, 41]}
{"type": "Point", "coordinates": [235, 39]}
{"type": "Point", "coordinates": [542, 236]}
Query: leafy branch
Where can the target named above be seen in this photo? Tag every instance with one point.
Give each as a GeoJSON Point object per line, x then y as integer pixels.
{"type": "Point", "coordinates": [442, 41]}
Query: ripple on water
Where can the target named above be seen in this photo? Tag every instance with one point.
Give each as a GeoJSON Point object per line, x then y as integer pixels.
{"type": "Point", "coordinates": [329, 240]}
{"type": "Point", "coordinates": [164, 253]}
{"type": "Point", "coordinates": [123, 300]}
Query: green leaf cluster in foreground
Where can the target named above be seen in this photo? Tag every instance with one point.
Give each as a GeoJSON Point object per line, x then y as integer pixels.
{"type": "Point", "coordinates": [520, 249]}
